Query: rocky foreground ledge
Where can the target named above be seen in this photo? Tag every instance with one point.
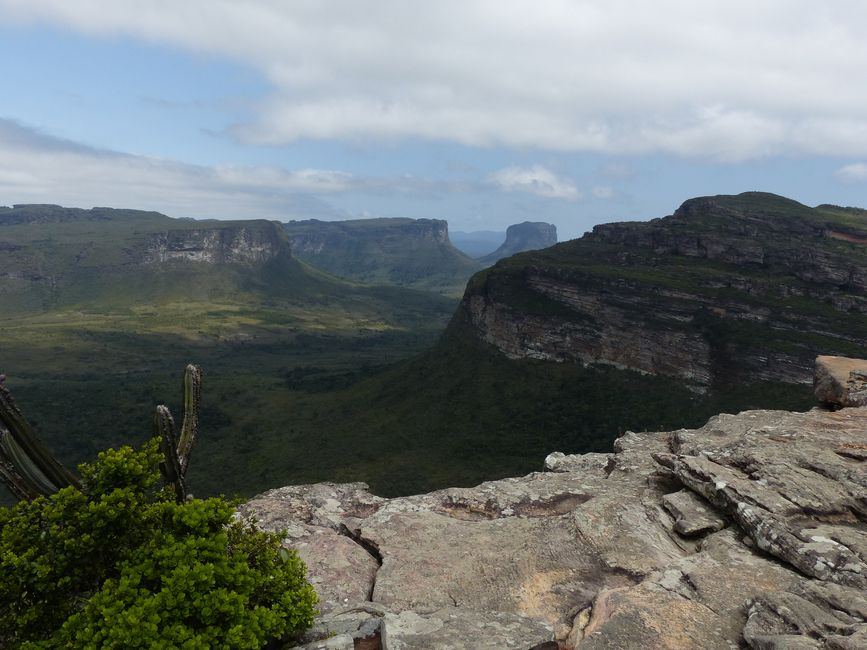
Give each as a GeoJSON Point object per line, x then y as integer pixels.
{"type": "Point", "coordinates": [748, 532]}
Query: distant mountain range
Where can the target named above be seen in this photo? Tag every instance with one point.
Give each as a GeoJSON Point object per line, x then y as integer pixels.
{"type": "Point", "coordinates": [720, 307]}
{"type": "Point", "coordinates": [644, 326]}
{"type": "Point", "coordinates": [414, 253]}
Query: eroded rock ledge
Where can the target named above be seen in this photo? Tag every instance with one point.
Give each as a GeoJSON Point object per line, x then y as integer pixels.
{"type": "Point", "coordinates": [748, 532]}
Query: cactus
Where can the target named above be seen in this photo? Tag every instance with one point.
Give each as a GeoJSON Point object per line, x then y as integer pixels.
{"type": "Point", "coordinates": [176, 449]}
{"type": "Point", "coordinates": [29, 469]}
{"type": "Point", "coordinates": [26, 465]}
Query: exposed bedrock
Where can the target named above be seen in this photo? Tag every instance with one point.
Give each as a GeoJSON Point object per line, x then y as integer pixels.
{"type": "Point", "coordinates": [748, 532]}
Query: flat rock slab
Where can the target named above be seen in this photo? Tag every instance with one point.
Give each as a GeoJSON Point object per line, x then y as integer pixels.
{"type": "Point", "coordinates": [692, 514]}
{"type": "Point", "coordinates": [461, 629]}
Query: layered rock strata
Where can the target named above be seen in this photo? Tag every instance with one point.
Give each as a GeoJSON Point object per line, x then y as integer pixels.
{"type": "Point", "coordinates": [727, 289]}
{"type": "Point", "coordinates": [748, 532]}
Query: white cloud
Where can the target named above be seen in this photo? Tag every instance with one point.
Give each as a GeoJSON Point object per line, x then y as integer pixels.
{"type": "Point", "coordinates": [854, 173]}
{"type": "Point", "coordinates": [35, 167]}
{"type": "Point", "coordinates": [602, 192]}
{"type": "Point", "coordinates": [724, 79]}
{"type": "Point", "coordinates": [534, 180]}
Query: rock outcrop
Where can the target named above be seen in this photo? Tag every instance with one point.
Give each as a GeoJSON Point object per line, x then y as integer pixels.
{"type": "Point", "coordinates": [406, 252]}
{"type": "Point", "coordinates": [840, 381]}
{"type": "Point", "coordinates": [727, 289]}
{"type": "Point", "coordinates": [748, 532]}
{"type": "Point", "coordinates": [51, 255]}
{"type": "Point", "coordinates": [525, 236]}
{"type": "Point", "coordinates": [235, 244]}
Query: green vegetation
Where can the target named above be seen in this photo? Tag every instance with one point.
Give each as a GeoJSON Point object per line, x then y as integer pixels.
{"type": "Point", "coordinates": [460, 414]}
{"type": "Point", "coordinates": [121, 564]}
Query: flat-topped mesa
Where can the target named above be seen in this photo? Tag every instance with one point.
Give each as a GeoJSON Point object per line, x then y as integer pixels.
{"type": "Point", "coordinates": [727, 290]}
{"type": "Point", "coordinates": [521, 237]}
{"type": "Point", "coordinates": [749, 531]}
{"type": "Point", "coordinates": [54, 256]}
{"type": "Point", "coordinates": [409, 252]}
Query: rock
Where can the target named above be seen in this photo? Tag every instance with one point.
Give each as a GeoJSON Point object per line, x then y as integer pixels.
{"type": "Point", "coordinates": [459, 629]}
{"type": "Point", "coordinates": [750, 529]}
{"type": "Point", "coordinates": [520, 237]}
{"type": "Point", "coordinates": [692, 515]}
{"type": "Point", "coordinates": [841, 381]}
{"type": "Point", "coordinates": [592, 463]}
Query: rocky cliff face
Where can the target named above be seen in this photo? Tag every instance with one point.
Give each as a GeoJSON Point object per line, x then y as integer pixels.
{"type": "Point", "coordinates": [409, 252]}
{"type": "Point", "coordinates": [526, 236]}
{"type": "Point", "coordinates": [314, 237]}
{"type": "Point", "coordinates": [236, 244]}
{"type": "Point", "coordinates": [752, 285]}
{"type": "Point", "coordinates": [53, 255]}
{"type": "Point", "coordinates": [748, 532]}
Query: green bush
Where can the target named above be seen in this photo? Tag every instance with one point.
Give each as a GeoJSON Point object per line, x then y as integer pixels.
{"type": "Point", "coordinates": [120, 564]}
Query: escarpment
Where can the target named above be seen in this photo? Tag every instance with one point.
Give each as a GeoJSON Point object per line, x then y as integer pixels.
{"type": "Point", "coordinates": [408, 252]}
{"type": "Point", "coordinates": [54, 256]}
{"type": "Point", "coordinates": [750, 531]}
{"type": "Point", "coordinates": [752, 287]}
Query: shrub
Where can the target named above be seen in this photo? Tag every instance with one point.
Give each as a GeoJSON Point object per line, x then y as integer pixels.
{"type": "Point", "coordinates": [121, 564]}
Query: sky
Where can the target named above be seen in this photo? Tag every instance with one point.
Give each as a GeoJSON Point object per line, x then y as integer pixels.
{"type": "Point", "coordinates": [481, 112]}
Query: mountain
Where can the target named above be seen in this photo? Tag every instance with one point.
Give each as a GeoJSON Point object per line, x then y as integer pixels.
{"type": "Point", "coordinates": [720, 307]}
{"type": "Point", "coordinates": [55, 257]}
{"type": "Point", "coordinates": [405, 252]}
{"type": "Point", "coordinates": [728, 287]}
{"type": "Point", "coordinates": [520, 237]}
{"type": "Point", "coordinates": [103, 308]}
{"type": "Point", "coordinates": [478, 242]}
{"type": "Point", "coordinates": [636, 326]}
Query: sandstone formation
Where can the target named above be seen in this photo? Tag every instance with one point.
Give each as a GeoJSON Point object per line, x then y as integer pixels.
{"type": "Point", "coordinates": [407, 252]}
{"type": "Point", "coordinates": [520, 237]}
{"type": "Point", "coordinates": [727, 289]}
{"type": "Point", "coordinates": [53, 255]}
{"type": "Point", "coordinates": [840, 381]}
{"type": "Point", "coordinates": [235, 244]}
{"type": "Point", "coordinates": [748, 532]}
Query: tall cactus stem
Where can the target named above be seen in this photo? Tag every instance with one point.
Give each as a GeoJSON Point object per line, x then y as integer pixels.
{"type": "Point", "coordinates": [192, 404]}
{"type": "Point", "coordinates": [164, 428]}
{"type": "Point", "coordinates": [34, 469]}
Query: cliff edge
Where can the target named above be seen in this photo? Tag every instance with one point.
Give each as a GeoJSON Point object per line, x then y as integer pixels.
{"type": "Point", "coordinates": [726, 290]}
{"type": "Point", "coordinates": [750, 531]}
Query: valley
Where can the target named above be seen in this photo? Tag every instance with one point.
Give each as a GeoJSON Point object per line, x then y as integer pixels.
{"type": "Point", "coordinates": [309, 377]}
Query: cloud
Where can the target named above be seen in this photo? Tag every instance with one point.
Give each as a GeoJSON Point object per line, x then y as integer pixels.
{"type": "Point", "coordinates": [535, 180]}
{"type": "Point", "coordinates": [854, 173]}
{"type": "Point", "coordinates": [602, 192]}
{"type": "Point", "coordinates": [721, 79]}
{"type": "Point", "coordinates": [36, 167]}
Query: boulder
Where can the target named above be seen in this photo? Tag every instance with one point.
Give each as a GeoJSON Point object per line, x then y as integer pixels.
{"type": "Point", "coordinates": [841, 381]}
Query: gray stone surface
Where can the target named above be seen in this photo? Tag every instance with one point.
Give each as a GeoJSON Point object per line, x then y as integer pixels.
{"type": "Point", "coordinates": [751, 530]}
{"type": "Point", "coordinates": [461, 629]}
{"type": "Point", "coordinates": [692, 514]}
